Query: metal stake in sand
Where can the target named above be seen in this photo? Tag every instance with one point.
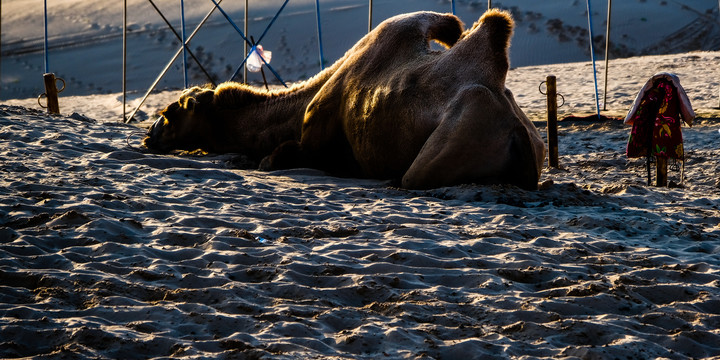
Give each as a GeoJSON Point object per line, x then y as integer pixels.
{"type": "Point", "coordinates": [607, 54]}
{"type": "Point", "coordinates": [370, 7]}
{"type": "Point", "coordinates": [552, 132]}
{"type": "Point", "coordinates": [182, 20]}
{"type": "Point", "coordinates": [592, 57]}
{"type": "Point", "coordinates": [320, 44]}
{"type": "Point", "coordinates": [124, 61]}
{"type": "Point", "coordinates": [45, 43]}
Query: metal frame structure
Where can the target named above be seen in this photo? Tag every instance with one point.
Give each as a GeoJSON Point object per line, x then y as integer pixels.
{"type": "Point", "coordinates": [185, 40]}
{"type": "Point", "coordinates": [185, 50]}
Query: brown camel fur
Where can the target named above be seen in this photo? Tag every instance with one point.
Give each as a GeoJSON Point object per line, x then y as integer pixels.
{"type": "Point", "coordinates": [396, 109]}
{"type": "Point", "coordinates": [233, 118]}
{"type": "Point", "coordinates": [237, 118]}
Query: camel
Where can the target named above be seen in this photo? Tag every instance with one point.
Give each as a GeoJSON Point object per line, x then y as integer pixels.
{"type": "Point", "coordinates": [395, 109]}
{"type": "Point", "coordinates": [238, 118]}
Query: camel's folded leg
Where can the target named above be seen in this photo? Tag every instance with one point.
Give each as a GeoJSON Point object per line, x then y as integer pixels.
{"type": "Point", "coordinates": [286, 156]}
{"type": "Point", "coordinates": [323, 145]}
{"type": "Point", "coordinates": [479, 140]}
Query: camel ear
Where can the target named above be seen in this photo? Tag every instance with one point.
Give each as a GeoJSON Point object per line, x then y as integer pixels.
{"type": "Point", "coordinates": [190, 104]}
{"type": "Point", "coordinates": [205, 97]}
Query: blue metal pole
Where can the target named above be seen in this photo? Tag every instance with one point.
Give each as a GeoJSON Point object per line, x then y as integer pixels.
{"type": "Point", "coordinates": [124, 62]}
{"type": "Point", "coordinates": [182, 20]}
{"type": "Point", "coordinates": [320, 44]}
{"type": "Point", "coordinates": [47, 59]}
{"type": "Point", "coordinates": [370, 10]}
{"type": "Point", "coordinates": [453, 6]}
{"type": "Point", "coordinates": [592, 57]}
{"type": "Point", "coordinates": [607, 53]}
{"type": "Point", "coordinates": [272, 21]}
{"type": "Point", "coordinates": [250, 42]}
{"type": "Point", "coordinates": [247, 24]}
{"type": "Point", "coordinates": [242, 35]}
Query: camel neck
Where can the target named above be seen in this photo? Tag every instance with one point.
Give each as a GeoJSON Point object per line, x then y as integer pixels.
{"type": "Point", "coordinates": [287, 106]}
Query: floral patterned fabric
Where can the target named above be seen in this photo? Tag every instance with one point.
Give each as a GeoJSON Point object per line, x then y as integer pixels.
{"type": "Point", "coordinates": [656, 123]}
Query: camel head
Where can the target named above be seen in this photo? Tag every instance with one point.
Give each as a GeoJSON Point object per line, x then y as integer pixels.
{"type": "Point", "coordinates": [232, 118]}
{"type": "Point", "coordinates": [182, 124]}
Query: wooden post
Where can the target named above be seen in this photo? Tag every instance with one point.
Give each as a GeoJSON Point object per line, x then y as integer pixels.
{"type": "Point", "coordinates": [51, 92]}
{"type": "Point", "coordinates": [489, 4]}
{"type": "Point", "coordinates": [552, 121]}
{"type": "Point", "coordinates": [661, 163]}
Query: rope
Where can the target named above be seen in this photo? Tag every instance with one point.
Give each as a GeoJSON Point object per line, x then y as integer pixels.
{"type": "Point", "coordinates": [135, 148]}
{"type": "Point", "coordinates": [592, 56]}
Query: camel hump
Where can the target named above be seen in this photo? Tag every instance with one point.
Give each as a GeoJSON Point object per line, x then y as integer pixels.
{"type": "Point", "coordinates": [486, 46]}
{"type": "Point", "coordinates": [445, 29]}
{"type": "Point", "coordinates": [420, 26]}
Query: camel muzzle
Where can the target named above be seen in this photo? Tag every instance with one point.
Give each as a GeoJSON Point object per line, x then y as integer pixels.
{"type": "Point", "coordinates": [153, 134]}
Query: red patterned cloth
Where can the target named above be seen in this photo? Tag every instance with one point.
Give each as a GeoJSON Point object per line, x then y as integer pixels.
{"type": "Point", "coordinates": [656, 116]}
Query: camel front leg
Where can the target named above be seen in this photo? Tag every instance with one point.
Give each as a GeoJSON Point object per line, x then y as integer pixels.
{"type": "Point", "coordinates": [479, 140]}
{"type": "Point", "coordinates": [323, 143]}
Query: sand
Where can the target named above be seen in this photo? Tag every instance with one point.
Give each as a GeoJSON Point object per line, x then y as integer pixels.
{"type": "Point", "coordinates": [108, 251]}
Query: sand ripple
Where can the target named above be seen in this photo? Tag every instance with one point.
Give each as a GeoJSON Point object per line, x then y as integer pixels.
{"type": "Point", "coordinates": [109, 252]}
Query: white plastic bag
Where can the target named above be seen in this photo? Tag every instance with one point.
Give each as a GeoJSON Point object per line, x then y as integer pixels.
{"type": "Point", "coordinates": [254, 62]}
